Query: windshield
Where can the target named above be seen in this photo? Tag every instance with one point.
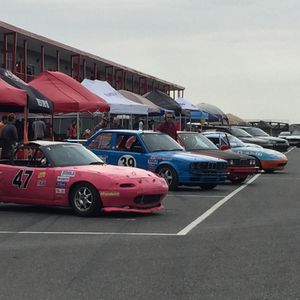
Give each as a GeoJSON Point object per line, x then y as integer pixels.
{"type": "Point", "coordinates": [240, 132]}
{"type": "Point", "coordinates": [235, 142]}
{"type": "Point", "coordinates": [62, 155]}
{"type": "Point", "coordinates": [196, 141]}
{"type": "Point", "coordinates": [255, 131]}
{"type": "Point", "coordinates": [296, 132]}
{"type": "Point", "coordinates": [160, 142]}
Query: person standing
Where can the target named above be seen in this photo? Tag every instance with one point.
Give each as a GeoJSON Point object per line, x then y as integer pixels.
{"type": "Point", "coordinates": [101, 125]}
{"type": "Point", "coordinates": [2, 124]}
{"type": "Point", "coordinates": [72, 130]}
{"type": "Point", "coordinates": [39, 129]}
{"type": "Point", "coordinates": [10, 136]}
{"type": "Point", "coordinates": [168, 126]}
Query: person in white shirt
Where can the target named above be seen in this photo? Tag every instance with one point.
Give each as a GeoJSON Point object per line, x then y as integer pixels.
{"type": "Point", "coordinates": [39, 129]}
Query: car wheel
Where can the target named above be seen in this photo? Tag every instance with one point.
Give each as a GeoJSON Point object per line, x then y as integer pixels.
{"type": "Point", "coordinates": [170, 176]}
{"type": "Point", "coordinates": [85, 200]}
{"type": "Point", "coordinates": [238, 179]}
{"type": "Point", "coordinates": [208, 186]}
{"type": "Point", "coordinates": [269, 171]}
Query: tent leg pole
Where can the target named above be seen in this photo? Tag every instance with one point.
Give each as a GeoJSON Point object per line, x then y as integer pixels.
{"type": "Point", "coordinates": [25, 138]}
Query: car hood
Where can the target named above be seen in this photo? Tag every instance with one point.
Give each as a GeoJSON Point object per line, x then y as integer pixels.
{"type": "Point", "coordinates": [219, 154]}
{"type": "Point", "coordinates": [293, 136]}
{"type": "Point", "coordinates": [272, 138]}
{"type": "Point", "coordinates": [112, 171]}
{"type": "Point", "coordinates": [188, 156]}
{"type": "Point", "coordinates": [255, 140]}
{"type": "Point", "coordinates": [261, 153]}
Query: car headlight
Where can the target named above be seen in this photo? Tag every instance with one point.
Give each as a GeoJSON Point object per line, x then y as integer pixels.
{"type": "Point", "coordinates": [230, 162]}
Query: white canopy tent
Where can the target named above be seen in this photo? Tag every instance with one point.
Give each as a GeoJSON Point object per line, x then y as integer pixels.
{"type": "Point", "coordinates": [186, 105]}
{"type": "Point", "coordinates": [117, 102]}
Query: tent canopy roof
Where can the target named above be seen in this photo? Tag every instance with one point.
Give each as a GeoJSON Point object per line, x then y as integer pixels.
{"type": "Point", "coordinates": [117, 102]}
{"type": "Point", "coordinates": [36, 101]}
{"type": "Point", "coordinates": [153, 109]}
{"type": "Point", "coordinates": [163, 100]}
{"type": "Point", "coordinates": [11, 99]}
{"type": "Point", "coordinates": [215, 114]}
{"type": "Point", "coordinates": [185, 104]}
{"type": "Point", "coordinates": [68, 94]}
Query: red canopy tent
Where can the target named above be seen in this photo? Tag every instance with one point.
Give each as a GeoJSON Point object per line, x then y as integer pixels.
{"type": "Point", "coordinates": [11, 99]}
{"type": "Point", "coordinates": [67, 94]}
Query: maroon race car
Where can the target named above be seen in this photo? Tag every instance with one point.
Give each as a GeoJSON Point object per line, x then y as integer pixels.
{"type": "Point", "coordinates": [66, 174]}
{"type": "Point", "coordinates": [239, 166]}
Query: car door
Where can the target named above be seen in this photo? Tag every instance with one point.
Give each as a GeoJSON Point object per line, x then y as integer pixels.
{"type": "Point", "coordinates": [26, 180]}
{"type": "Point", "coordinates": [28, 185]}
{"type": "Point", "coordinates": [120, 148]}
{"type": "Point", "coordinates": [129, 151]}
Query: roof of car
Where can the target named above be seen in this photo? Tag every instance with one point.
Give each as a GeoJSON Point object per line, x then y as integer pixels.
{"type": "Point", "coordinates": [188, 131]}
{"type": "Point", "coordinates": [45, 143]}
{"type": "Point", "coordinates": [129, 131]}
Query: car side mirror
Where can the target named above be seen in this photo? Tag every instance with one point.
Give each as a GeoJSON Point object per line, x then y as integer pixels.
{"type": "Point", "coordinates": [224, 147]}
{"type": "Point", "coordinates": [44, 162]}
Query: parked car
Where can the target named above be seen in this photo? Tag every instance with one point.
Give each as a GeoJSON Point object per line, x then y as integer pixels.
{"type": "Point", "coordinates": [278, 144]}
{"type": "Point", "coordinates": [159, 153]}
{"type": "Point", "coordinates": [69, 175]}
{"type": "Point", "coordinates": [293, 137]}
{"type": "Point", "coordinates": [242, 135]}
{"type": "Point", "coordinates": [267, 159]}
{"type": "Point", "coordinates": [239, 165]}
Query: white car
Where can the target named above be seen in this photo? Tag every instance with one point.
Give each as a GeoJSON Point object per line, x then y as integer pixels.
{"type": "Point", "coordinates": [292, 137]}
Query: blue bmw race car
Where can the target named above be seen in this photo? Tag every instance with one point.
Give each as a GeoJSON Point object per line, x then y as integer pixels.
{"type": "Point", "coordinates": [158, 153]}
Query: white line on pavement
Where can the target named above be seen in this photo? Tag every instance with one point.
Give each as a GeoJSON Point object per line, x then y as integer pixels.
{"type": "Point", "coordinates": [188, 195]}
{"type": "Point", "coordinates": [201, 218]}
{"type": "Point", "coordinates": [87, 233]}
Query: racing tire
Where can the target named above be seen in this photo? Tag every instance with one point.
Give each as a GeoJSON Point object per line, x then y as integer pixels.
{"type": "Point", "coordinates": [85, 200]}
{"type": "Point", "coordinates": [238, 179]}
{"type": "Point", "coordinates": [170, 176]}
{"type": "Point", "coordinates": [208, 186]}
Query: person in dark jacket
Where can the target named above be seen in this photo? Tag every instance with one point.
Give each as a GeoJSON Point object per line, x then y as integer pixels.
{"type": "Point", "coordinates": [168, 126]}
{"type": "Point", "coordinates": [10, 136]}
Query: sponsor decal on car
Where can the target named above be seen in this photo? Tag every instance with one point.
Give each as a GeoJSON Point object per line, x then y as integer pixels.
{"type": "Point", "coordinates": [63, 178]}
{"type": "Point", "coordinates": [41, 175]}
{"type": "Point", "coordinates": [69, 173]}
{"type": "Point", "coordinates": [60, 191]}
{"type": "Point", "coordinates": [41, 183]}
{"type": "Point", "coordinates": [61, 184]}
{"type": "Point", "coordinates": [109, 194]}
{"type": "Point", "coordinates": [153, 161]}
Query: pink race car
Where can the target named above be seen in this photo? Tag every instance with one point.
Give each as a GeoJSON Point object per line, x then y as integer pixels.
{"type": "Point", "coordinates": [65, 174]}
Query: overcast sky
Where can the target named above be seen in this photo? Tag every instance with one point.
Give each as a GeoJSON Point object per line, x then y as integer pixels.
{"type": "Point", "coordinates": [241, 55]}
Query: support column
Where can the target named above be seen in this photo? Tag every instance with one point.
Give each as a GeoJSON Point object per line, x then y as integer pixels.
{"type": "Point", "coordinates": [57, 60]}
{"type": "Point", "coordinates": [25, 60]}
{"type": "Point", "coordinates": [42, 58]}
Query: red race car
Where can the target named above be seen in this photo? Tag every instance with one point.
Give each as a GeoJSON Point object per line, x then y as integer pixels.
{"type": "Point", "coordinates": [65, 174]}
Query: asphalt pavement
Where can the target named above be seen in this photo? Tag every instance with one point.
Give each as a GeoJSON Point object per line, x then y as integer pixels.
{"type": "Point", "coordinates": [234, 242]}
